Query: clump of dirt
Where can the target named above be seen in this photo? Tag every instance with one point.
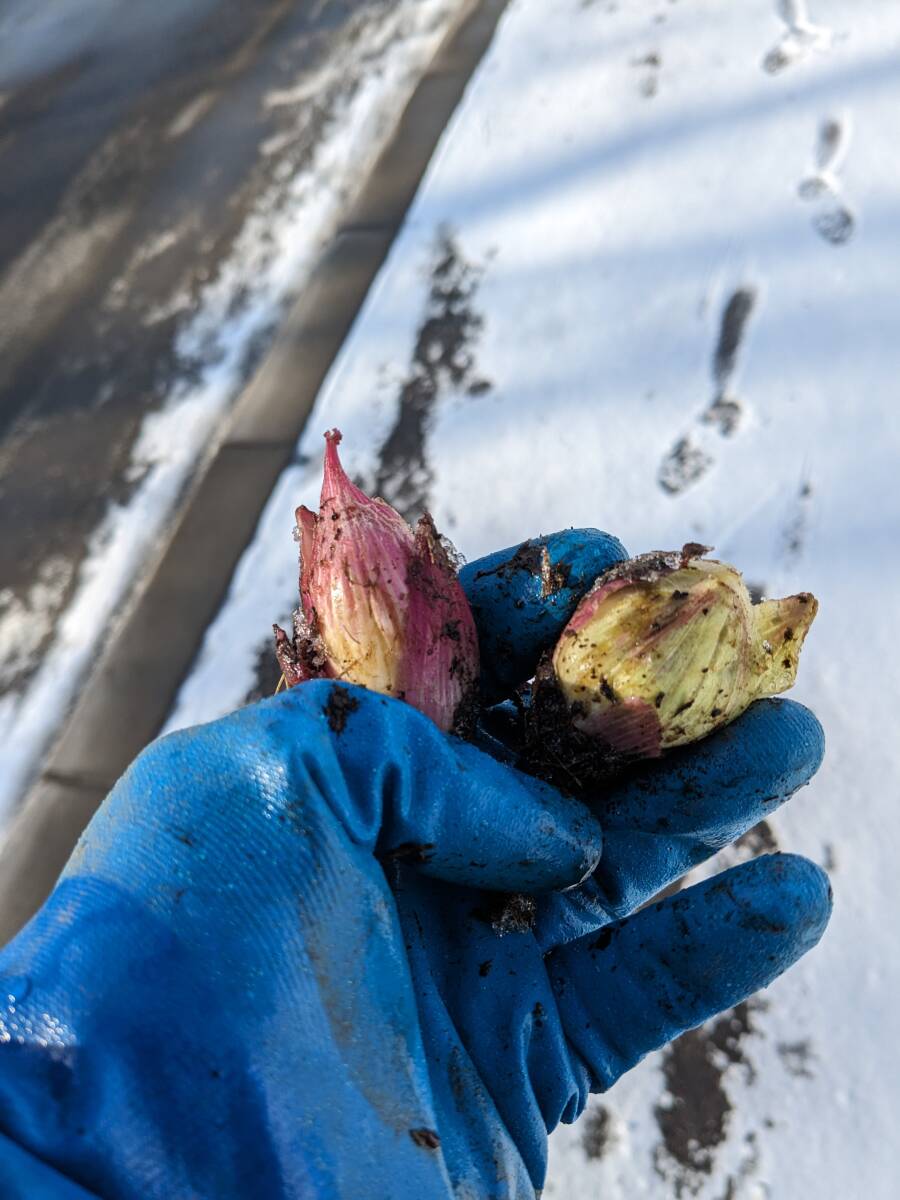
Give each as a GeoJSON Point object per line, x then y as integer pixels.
{"type": "Point", "coordinates": [428, 1139]}
{"type": "Point", "coordinates": [341, 703]}
{"type": "Point", "coordinates": [465, 718]}
{"type": "Point", "coordinates": [418, 852]}
{"type": "Point", "coordinates": [507, 912]}
{"type": "Point", "coordinates": [526, 557]}
{"type": "Point", "coordinates": [533, 560]}
{"type": "Point", "coordinates": [552, 748]}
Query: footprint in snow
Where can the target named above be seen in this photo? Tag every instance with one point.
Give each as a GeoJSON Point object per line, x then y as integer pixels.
{"type": "Point", "coordinates": [687, 460]}
{"type": "Point", "coordinates": [683, 465]}
{"type": "Point", "coordinates": [800, 38]}
{"type": "Point", "coordinates": [650, 64]}
{"type": "Point", "coordinates": [833, 219]}
{"type": "Point", "coordinates": [724, 413]}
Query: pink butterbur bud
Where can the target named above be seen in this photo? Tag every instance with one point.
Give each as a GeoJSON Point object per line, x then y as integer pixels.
{"type": "Point", "coordinates": [380, 605]}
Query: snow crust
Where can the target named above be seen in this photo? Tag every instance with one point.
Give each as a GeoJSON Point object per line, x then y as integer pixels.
{"type": "Point", "coordinates": [617, 174]}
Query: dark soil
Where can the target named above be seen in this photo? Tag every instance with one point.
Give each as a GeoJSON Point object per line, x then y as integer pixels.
{"type": "Point", "coordinates": [553, 749]}
{"type": "Point", "coordinates": [426, 1138]}
{"type": "Point", "coordinates": [527, 558]}
{"type": "Point", "coordinates": [418, 852]}
{"type": "Point", "coordinates": [341, 703]}
{"type": "Point", "coordinates": [467, 712]}
{"type": "Point", "coordinates": [507, 912]}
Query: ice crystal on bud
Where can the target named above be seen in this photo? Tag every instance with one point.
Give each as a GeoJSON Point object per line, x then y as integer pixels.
{"type": "Point", "coordinates": [380, 604]}
{"type": "Point", "coordinates": [665, 648]}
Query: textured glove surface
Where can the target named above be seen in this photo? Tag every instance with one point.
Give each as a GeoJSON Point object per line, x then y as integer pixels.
{"type": "Point", "coordinates": [270, 967]}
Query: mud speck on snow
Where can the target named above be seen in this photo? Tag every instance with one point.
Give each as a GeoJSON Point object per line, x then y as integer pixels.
{"type": "Point", "coordinates": [797, 1057]}
{"type": "Point", "coordinates": [760, 839]}
{"type": "Point", "coordinates": [795, 528]}
{"type": "Point", "coordinates": [695, 1122]}
{"type": "Point", "coordinates": [442, 360]}
{"type": "Point", "coordinates": [596, 1135]}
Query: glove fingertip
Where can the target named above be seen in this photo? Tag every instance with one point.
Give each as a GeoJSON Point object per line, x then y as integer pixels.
{"type": "Point", "coordinates": [675, 964]}
{"type": "Point", "coordinates": [788, 894]}
{"type": "Point", "coordinates": [523, 596]}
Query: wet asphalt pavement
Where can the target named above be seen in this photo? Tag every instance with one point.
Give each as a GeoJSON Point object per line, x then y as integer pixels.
{"type": "Point", "coordinates": [134, 140]}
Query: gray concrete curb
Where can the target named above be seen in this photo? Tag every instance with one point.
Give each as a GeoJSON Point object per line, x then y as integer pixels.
{"type": "Point", "coordinates": [131, 691]}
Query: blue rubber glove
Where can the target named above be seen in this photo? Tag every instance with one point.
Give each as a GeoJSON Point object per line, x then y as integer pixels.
{"type": "Point", "coordinates": [270, 970]}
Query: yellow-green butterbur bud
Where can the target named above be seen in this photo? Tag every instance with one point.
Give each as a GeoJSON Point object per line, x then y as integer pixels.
{"type": "Point", "coordinates": [665, 648]}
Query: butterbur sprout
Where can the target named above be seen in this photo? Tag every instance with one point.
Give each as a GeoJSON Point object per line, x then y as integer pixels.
{"type": "Point", "coordinates": [380, 604]}
{"type": "Point", "coordinates": [664, 649]}
{"type": "Point", "coordinates": [667, 647]}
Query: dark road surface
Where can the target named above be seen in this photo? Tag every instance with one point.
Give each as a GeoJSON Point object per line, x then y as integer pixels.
{"type": "Point", "coordinates": [134, 141]}
{"type": "Point", "coordinates": [70, 77]}
{"type": "Point", "coordinates": [95, 150]}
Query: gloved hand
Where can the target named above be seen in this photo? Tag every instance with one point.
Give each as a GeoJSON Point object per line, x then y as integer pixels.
{"type": "Point", "coordinates": [269, 969]}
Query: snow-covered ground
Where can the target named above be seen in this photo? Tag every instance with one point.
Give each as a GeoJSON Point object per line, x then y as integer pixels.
{"type": "Point", "coordinates": [357, 95]}
{"type": "Point", "coordinates": [650, 285]}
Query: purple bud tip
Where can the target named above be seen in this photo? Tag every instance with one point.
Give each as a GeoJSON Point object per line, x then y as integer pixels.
{"type": "Point", "coordinates": [335, 484]}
